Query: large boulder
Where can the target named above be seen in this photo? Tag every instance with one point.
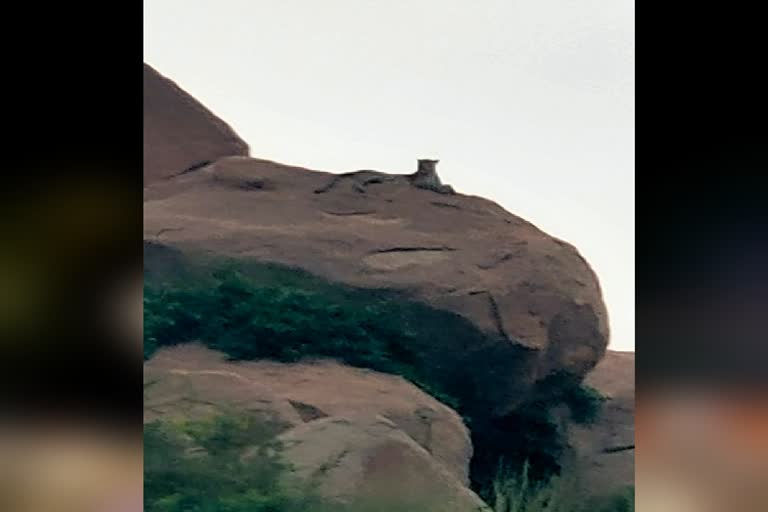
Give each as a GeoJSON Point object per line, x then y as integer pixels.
{"type": "Point", "coordinates": [604, 450]}
{"type": "Point", "coordinates": [190, 381]}
{"type": "Point", "coordinates": [533, 297]}
{"type": "Point", "coordinates": [367, 459]}
{"type": "Point", "coordinates": [179, 132]}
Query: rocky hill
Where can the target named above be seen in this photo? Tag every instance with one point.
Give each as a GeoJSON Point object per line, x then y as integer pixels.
{"type": "Point", "coordinates": [457, 295]}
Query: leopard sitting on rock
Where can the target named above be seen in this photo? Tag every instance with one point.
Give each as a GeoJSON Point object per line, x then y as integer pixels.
{"type": "Point", "coordinates": [425, 177]}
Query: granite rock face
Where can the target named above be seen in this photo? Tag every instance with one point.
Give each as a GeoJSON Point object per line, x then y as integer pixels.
{"type": "Point", "coordinates": [179, 132]}
{"type": "Point", "coordinates": [368, 459]}
{"type": "Point", "coordinates": [360, 434]}
{"type": "Point", "coordinates": [534, 297]}
{"type": "Point", "coordinates": [191, 381]}
{"type": "Point", "coordinates": [605, 455]}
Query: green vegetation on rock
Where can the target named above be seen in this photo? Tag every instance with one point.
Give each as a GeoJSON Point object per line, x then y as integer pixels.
{"type": "Point", "coordinates": [517, 491]}
{"type": "Point", "coordinates": [530, 436]}
{"type": "Point", "coordinates": [225, 464]}
{"type": "Point", "coordinates": [269, 312]}
{"type": "Point", "coordinates": [261, 311]}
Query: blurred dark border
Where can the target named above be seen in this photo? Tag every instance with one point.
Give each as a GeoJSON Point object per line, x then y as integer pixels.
{"type": "Point", "coordinates": [72, 209]}
{"type": "Point", "coordinates": [702, 198]}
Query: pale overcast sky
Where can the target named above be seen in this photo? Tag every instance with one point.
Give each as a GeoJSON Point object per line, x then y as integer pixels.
{"type": "Point", "coordinates": [527, 102]}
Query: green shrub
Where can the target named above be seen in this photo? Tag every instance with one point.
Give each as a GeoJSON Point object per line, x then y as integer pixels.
{"type": "Point", "coordinates": [286, 316]}
{"type": "Point", "coordinates": [530, 436]}
{"type": "Point", "coordinates": [527, 438]}
{"type": "Point", "coordinates": [201, 467]}
{"type": "Point", "coordinates": [584, 402]}
{"type": "Point", "coordinates": [518, 491]}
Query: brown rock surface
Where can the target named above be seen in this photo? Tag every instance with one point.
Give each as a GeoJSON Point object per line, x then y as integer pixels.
{"type": "Point", "coordinates": [367, 457]}
{"type": "Point", "coordinates": [535, 298]}
{"type": "Point", "coordinates": [179, 132]}
{"type": "Point", "coordinates": [603, 469]}
{"type": "Point", "coordinates": [192, 381]}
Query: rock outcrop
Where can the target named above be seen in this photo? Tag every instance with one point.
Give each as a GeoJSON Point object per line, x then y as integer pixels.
{"type": "Point", "coordinates": [375, 427]}
{"type": "Point", "coordinates": [605, 450]}
{"type": "Point", "coordinates": [368, 459]}
{"type": "Point", "coordinates": [179, 132]}
{"type": "Point", "coordinates": [534, 298]}
{"type": "Point", "coordinates": [189, 380]}
{"type": "Point", "coordinates": [504, 305]}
